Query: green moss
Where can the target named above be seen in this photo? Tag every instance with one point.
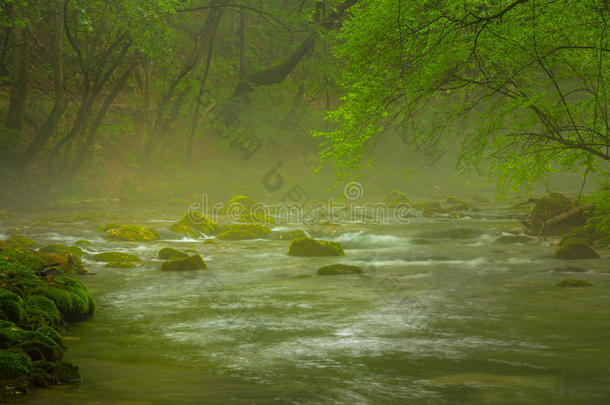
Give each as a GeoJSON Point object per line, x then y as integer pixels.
{"type": "Point", "coordinates": [194, 224]}
{"type": "Point", "coordinates": [171, 253]}
{"type": "Point", "coordinates": [115, 257]}
{"type": "Point", "coordinates": [82, 242]}
{"type": "Point", "coordinates": [256, 218]}
{"type": "Point", "coordinates": [570, 282]}
{"type": "Point", "coordinates": [338, 269]}
{"type": "Point", "coordinates": [71, 297]}
{"type": "Point", "coordinates": [14, 365]}
{"type": "Point", "coordinates": [194, 262]}
{"type": "Point", "coordinates": [62, 250]}
{"type": "Point", "coordinates": [20, 242]}
{"type": "Point", "coordinates": [420, 241]}
{"type": "Point", "coordinates": [129, 233]}
{"type": "Point", "coordinates": [244, 201]}
{"type": "Point", "coordinates": [551, 205]}
{"type": "Point", "coordinates": [209, 242]}
{"type": "Point", "coordinates": [51, 334]}
{"type": "Point", "coordinates": [120, 265]}
{"type": "Point", "coordinates": [41, 309]}
{"type": "Point", "coordinates": [575, 249]}
{"type": "Point", "coordinates": [12, 306]}
{"type": "Point", "coordinates": [84, 216]}
{"type": "Point", "coordinates": [311, 247]}
{"type": "Point", "coordinates": [244, 231]}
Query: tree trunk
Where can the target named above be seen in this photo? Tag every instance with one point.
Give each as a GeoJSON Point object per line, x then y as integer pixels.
{"type": "Point", "coordinates": [16, 107]}
{"type": "Point", "coordinates": [50, 123]}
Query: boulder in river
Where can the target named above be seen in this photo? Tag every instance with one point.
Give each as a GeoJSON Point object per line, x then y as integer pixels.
{"type": "Point", "coordinates": [242, 201]}
{"type": "Point", "coordinates": [171, 253]}
{"type": "Point", "coordinates": [572, 249]}
{"type": "Point", "coordinates": [129, 233]}
{"type": "Point", "coordinates": [572, 282]}
{"type": "Point", "coordinates": [62, 250]}
{"type": "Point", "coordinates": [115, 257]}
{"type": "Point", "coordinates": [314, 248]}
{"type": "Point", "coordinates": [82, 242]}
{"type": "Point", "coordinates": [338, 269]}
{"type": "Point", "coordinates": [194, 224]}
{"type": "Point", "coordinates": [244, 231]}
{"type": "Point", "coordinates": [194, 262]}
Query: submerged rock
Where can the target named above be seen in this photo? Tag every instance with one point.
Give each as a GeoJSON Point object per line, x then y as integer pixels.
{"type": "Point", "coordinates": [453, 200]}
{"type": "Point", "coordinates": [171, 253]}
{"type": "Point", "coordinates": [572, 249]}
{"type": "Point", "coordinates": [244, 231]}
{"type": "Point", "coordinates": [82, 242]}
{"type": "Point", "coordinates": [338, 269]}
{"type": "Point", "coordinates": [568, 269]}
{"type": "Point", "coordinates": [314, 248]}
{"type": "Point", "coordinates": [129, 233]}
{"type": "Point", "coordinates": [571, 282]}
{"type": "Point", "coordinates": [115, 257]}
{"type": "Point", "coordinates": [194, 262]}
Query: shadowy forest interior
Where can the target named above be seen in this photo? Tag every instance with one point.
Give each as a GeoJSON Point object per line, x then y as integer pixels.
{"type": "Point", "coordinates": [305, 201]}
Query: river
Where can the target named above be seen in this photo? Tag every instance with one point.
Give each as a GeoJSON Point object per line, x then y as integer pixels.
{"type": "Point", "coordinates": [453, 321]}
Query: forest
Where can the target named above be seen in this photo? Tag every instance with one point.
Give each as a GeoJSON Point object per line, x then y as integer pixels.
{"type": "Point", "coordinates": [304, 201]}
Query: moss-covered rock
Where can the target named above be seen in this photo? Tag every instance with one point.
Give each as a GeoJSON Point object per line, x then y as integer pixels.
{"type": "Point", "coordinates": [115, 257]}
{"type": "Point", "coordinates": [338, 269]}
{"type": "Point", "coordinates": [20, 241]}
{"type": "Point", "coordinates": [11, 306]}
{"type": "Point", "coordinates": [509, 239]}
{"type": "Point", "coordinates": [571, 282]}
{"type": "Point", "coordinates": [120, 265]}
{"type": "Point", "coordinates": [14, 365]}
{"type": "Point", "coordinates": [194, 225]}
{"type": "Point", "coordinates": [244, 231]}
{"type": "Point", "coordinates": [129, 233]}
{"type": "Point", "coordinates": [314, 248]}
{"type": "Point", "coordinates": [429, 207]}
{"type": "Point", "coordinates": [171, 253]}
{"type": "Point", "coordinates": [33, 305]}
{"type": "Point", "coordinates": [62, 250]}
{"type": "Point", "coordinates": [82, 242]}
{"type": "Point", "coordinates": [256, 218]}
{"type": "Point", "coordinates": [194, 262]}
{"type": "Point", "coordinates": [420, 241]}
{"type": "Point", "coordinates": [243, 201]}
{"type": "Point", "coordinates": [41, 310]}
{"type": "Point", "coordinates": [575, 249]}
{"type": "Point", "coordinates": [70, 296]}
{"type": "Point", "coordinates": [209, 242]}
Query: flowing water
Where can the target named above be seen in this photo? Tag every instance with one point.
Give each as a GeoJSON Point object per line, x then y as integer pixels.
{"type": "Point", "coordinates": [453, 321]}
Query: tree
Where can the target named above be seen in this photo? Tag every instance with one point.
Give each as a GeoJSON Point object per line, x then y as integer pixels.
{"type": "Point", "coordinates": [531, 77]}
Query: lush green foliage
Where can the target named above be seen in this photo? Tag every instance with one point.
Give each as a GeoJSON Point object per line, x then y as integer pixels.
{"type": "Point", "coordinates": [523, 83]}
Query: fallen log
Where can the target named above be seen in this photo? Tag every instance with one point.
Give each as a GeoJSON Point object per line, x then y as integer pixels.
{"type": "Point", "coordinates": [567, 214]}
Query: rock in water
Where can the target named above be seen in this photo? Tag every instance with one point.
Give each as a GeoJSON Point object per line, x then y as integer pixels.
{"type": "Point", "coordinates": [575, 249]}
{"type": "Point", "coordinates": [338, 269]}
{"type": "Point", "coordinates": [194, 262]}
{"type": "Point", "coordinates": [314, 248]}
{"type": "Point", "coordinates": [569, 282]}
{"type": "Point", "coordinates": [171, 253]}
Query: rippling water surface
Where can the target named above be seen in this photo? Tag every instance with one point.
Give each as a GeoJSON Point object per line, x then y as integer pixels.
{"type": "Point", "coordinates": [452, 321]}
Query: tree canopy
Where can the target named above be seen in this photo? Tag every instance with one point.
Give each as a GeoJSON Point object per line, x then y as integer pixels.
{"type": "Point", "coordinates": [523, 83]}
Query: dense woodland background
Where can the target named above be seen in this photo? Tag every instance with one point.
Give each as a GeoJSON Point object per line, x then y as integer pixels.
{"type": "Point", "coordinates": [153, 100]}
